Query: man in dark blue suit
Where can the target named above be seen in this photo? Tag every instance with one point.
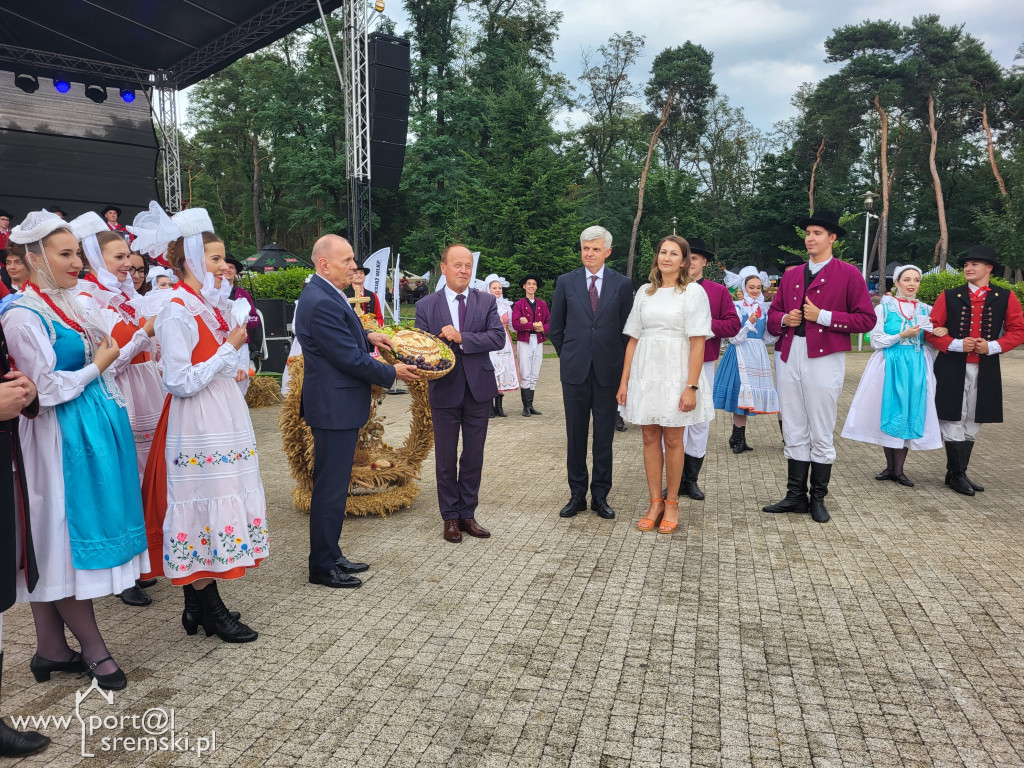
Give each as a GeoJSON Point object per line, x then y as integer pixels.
{"type": "Point", "coordinates": [468, 320]}
{"type": "Point", "coordinates": [588, 313]}
{"type": "Point", "coordinates": [338, 374]}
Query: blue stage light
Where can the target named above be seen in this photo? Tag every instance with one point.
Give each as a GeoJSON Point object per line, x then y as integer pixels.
{"type": "Point", "coordinates": [62, 85]}
{"type": "Point", "coordinates": [127, 95]}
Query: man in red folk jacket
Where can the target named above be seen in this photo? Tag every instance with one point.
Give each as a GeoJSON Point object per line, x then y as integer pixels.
{"type": "Point", "coordinates": [983, 321]}
{"type": "Point", "coordinates": [813, 313]}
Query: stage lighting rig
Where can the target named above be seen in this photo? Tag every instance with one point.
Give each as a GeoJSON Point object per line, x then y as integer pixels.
{"type": "Point", "coordinates": [127, 95]}
{"type": "Point", "coordinates": [96, 93]}
{"type": "Point", "coordinates": [26, 82]}
{"type": "Point", "coordinates": [62, 85]}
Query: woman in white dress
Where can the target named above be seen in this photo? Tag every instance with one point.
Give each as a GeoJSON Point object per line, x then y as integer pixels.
{"type": "Point", "coordinates": [663, 385]}
{"type": "Point", "coordinates": [87, 525]}
{"type": "Point", "coordinates": [894, 405]}
{"type": "Point", "coordinates": [743, 381]}
{"type": "Point", "coordinates": [506, 372]}
{"type": "Point", "coordinates": [205, 508]}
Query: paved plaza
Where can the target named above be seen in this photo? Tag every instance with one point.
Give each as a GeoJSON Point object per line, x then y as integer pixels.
{"type": "Point", "coordinates": [893, 636]}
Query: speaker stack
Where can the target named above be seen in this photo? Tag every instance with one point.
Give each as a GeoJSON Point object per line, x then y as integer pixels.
{"type": "Point", "coordinates": [389, 108]}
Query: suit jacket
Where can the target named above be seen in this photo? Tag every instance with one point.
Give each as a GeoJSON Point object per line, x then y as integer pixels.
{"type": "Point", "coordinates": [482, 333]}
{"type": "Point", "coordinates": [584, 340]}
{"type": "Point", "coordinates": [839, 287]}
{"type": "Point", "coordinates": [338, 367]}
{"type": "Point", "coordinates": [725, 323]}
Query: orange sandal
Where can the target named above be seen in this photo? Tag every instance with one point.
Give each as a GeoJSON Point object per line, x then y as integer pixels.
{"type": "Point", "coordinates": [667, 527]}
{"type": "Point", "coordinates": [646, 524]}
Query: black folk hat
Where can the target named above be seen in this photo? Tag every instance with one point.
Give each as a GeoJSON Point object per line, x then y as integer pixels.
{"type": "Point", "coordinates": [980, 253]}
{"type": "Point", "coordinates": [5, 214]}
{"type": "Point", "coordinates": [58, 209]}
{"type": "Point", "coordinates": [793, 260]}
{"type": "Point", "coordinates": [700, 248]}
{"type": "Point", "coordinates": [239, 266]}
{"type": "Point", "coordinates": [827, 219]}
{"type": "Point", "coordinates": [111, 208]}
{"type": "Point", "coordinates": [522, 283]}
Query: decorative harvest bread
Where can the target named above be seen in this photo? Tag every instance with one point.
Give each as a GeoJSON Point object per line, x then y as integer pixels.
{"type": "Point", "coordinates": [428, 353]}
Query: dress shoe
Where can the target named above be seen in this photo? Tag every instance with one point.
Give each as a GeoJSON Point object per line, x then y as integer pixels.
{"type": "Point", "coordinates": [136, 596]}
{"type": "Point", "coordinates": [346, 565]}
{"type": "Point", "coordinates": [603, 510]}
{"type": "Point", "coordinates": [115, 681]}
{"type": "Point", "coordinates": [452, 532]}
{"type": "Point", "coordinates": [620, 424]}
{"type": "Point", "coordinates": [885, 474]}
{"type": "Point", "coordinates": [20, 743]}
{"type": "Point", "coordinates": [335, 578]}
{"type": "Point", "coordinates": [576, 504]}
{"type": "Point", "coordinates": [473, 528]}
{"type": "Point", "coordinates": [145, 583]}
{"type": "Point", "coordinates": [903, 480]}
{"type": "Point", "coordinates": [42, 668]}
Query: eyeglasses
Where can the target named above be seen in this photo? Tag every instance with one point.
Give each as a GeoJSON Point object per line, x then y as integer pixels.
{"type": "Point", "coordinates": [137, 270]}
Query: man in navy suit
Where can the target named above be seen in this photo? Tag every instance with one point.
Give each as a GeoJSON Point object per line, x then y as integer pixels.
{"type": "Point", "coordinates": [588, 313]}
{"type": "Point", "coordinates": [338, 374]}
{"type": "Point", "coordinates": [468, 320]}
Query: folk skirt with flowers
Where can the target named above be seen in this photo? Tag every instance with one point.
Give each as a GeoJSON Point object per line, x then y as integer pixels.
{"type": "Point", "coordinates": [204, 458]}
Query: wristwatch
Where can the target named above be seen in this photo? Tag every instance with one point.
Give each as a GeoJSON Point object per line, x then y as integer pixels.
{"type": "Point", "coordinates": [694, 387]}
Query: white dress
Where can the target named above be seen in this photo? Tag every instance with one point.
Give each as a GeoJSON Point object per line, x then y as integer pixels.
{"type": "Point", "coordinates": [663, 324]}
{"type": "Point", "coordinates": [506, 372]}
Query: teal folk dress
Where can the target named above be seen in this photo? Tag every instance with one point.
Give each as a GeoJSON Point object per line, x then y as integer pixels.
{"type": "Point", "coordinates": [87, 522]}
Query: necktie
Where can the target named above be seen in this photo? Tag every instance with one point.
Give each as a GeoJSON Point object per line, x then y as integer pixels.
{"type": "Point", "coordinates": [462, 312]}
{"type": "Point", "coordinates": [593, 294]}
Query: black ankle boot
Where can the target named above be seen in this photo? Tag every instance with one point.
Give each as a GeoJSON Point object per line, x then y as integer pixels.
{"type": "Point", "coordinates": [820, 475]}
{"type": "Point", "coordinates": [955, 465]}
{"type": "Point", "coordinates": [498, 410]}
{"type": "Point", "coordinates": [529, 403]}
{"type": "Point", "coordinates": [691, 472]}
{"type": "Point", "coordinates": [192, 615]}
{"type": "Point", "coordinates": [740, 440]}
{"type": "Point", "coordinates": [218, 620]}
{"type": "Point", "coordinates": [18, 743]}
{"type": "Point", "coordinates": [525, 395]}
{"type": "Point", "coordinates": [491, 413]}
{"type": "Point", "coordinates": [796, 489]}
{"type": "Point", "coordinates": [733, 438]}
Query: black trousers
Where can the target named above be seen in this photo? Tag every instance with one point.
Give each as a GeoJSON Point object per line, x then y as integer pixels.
{"type": "Point", "coordinates": [581, 401]}
{"type": "Point", "coordinates": [458, 477]}
{"type": "Point", "coordinates": [333, 451]}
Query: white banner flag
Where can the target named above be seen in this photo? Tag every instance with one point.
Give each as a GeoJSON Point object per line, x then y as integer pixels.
{"type": "Point", "coordinates": [397, 288]}
{"type": "Point", "coordinates": [376, 274]}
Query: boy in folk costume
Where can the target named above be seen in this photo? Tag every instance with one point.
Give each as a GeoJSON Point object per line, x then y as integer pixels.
{"type": "Point", "coordinates": [814, 312]}
{"type": "Point", "coordinates": [983, 321]}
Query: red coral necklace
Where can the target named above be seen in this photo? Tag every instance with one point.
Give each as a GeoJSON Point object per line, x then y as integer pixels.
{"type": "Point", "coordinates": [126, 308]}
{"type": "Point", "coordinates": [56, 310]}
{"type": "Point", "coordinates": [222, 324]}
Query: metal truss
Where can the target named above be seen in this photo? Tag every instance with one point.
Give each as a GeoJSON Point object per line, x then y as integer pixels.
{"type": "Point", "coordinates": [357, 126]}
{"type": "Point", "coordinates": [167, 119]}
{"type": "Point", "coordinates": [49, 64]}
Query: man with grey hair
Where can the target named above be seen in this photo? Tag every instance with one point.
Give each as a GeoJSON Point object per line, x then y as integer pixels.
{"type": "Point", "coordinates": [588, 313]}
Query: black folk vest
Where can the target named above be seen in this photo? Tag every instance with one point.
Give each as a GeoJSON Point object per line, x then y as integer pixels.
{"type": "Point", "coordinates": [951, 367]}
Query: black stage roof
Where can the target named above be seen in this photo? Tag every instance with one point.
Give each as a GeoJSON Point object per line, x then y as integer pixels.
{"type": "Point", "coordinates": [122, 43]}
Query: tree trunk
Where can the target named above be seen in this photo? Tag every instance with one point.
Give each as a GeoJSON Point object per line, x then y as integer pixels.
{"type": "Point", "coordinates": [643, 182]}
{"type": "Point", "coordinates": [257, 226]}
{"type": "Point", "coordinates": [940, 204]}
{"type": "Point", "coordinates": [883, 217]}
{"type": "Point", "coordinates": [992, 151]}
{"type": "Point", "coordinates": [814, 170]}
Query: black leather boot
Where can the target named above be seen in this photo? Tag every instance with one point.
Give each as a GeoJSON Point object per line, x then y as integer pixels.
{"type": "Point", "coordinates": [498, 410]}
{"type": "Point", "coordinates": [18, 743]}
{"type": "Point", "coordinates": [740, 444]}
{"type": "Point", "coordinates": [218, 620]}
{"type": "Point", "coordinates": [796, 489]}
{"type": "Point", "coordinates": [533, 410]}
{"type": "Point", "coordinates": [733, 437]}
{"type": "Point", "coordinates": [525, 395]}
{"type": "Point", "coordinates": [492, 412]}
{"type": "Point", "coordinates": [955, 465]}
{"type": "Point", "coordinates": [968, 447]}
{"type": "Point", "coordinates": [691, 472]}
{"type": "Point", "coordinates": [192, 615]}
{"type": "Point", "coordinates": [820, 475]}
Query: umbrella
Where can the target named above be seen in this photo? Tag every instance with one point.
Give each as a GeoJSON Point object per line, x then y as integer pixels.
{"type": "Point", "coordinates": [890, 268]}
{"type": "Point", "coordinates": [273, 257]}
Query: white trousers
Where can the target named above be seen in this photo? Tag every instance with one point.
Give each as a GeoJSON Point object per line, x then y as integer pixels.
{"type": "Point", "coordinates": [967, 428]}
{"type": "Point", "coordinates": [531, 355]}
{"type": "Point", "coordinates": [695, 439]}
{"type": "Point", "coordinates": [809, 390]}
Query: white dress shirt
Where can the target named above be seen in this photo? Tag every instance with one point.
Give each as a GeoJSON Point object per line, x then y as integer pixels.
{"type": "Point", "coordinates": [600, 279]}
{"type": "Point", "coordinates": [453, 304]}
{"type": "Point", "coordinates": [824, 315]}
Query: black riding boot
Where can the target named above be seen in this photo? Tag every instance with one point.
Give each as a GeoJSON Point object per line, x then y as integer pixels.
{"type": "Point", "coordinates": [968, 447]}
{"type": "Point", "coordinates": [796, 489]}
{"type": "Point", "coordinates": [820, 475]}
{"type": "Point", "coordinates": [18, 743]}
{"type": "Point", "coordinates": [192, 615]}
{"type": "Point", "coordinates": [498, 410]}
{"type": "Point", "coordinates": [525, 395]}
{"type": "Point", "coordinates": [533, 411]}
{"type": "Point", "coordinates": [740, 444]}
{"type": "Point", "coordinates": [955, 466]}
{"type": "Point", "coordinates": [691, 472]}
{"type": "Point", "coordinates": [217, 619]}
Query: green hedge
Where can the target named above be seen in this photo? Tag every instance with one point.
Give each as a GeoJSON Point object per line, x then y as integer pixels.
{"type": "Point", "coordinates": [284, 284]}
{"type": "Point", "coordinates": [933, 285]}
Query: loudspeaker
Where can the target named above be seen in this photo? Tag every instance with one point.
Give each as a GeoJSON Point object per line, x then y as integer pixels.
{"type": "Point", "coordinates": [389, 108]}
{"type": "Point", "coordinates": [275, 320]}
{"type": "Point", "coordinates": [277, 355]}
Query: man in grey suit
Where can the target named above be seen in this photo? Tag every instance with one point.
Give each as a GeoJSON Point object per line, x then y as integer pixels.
{"type": "Point", "coordinates": [468, 320]}
{"type": "Point", "coordinates": [588, 313]}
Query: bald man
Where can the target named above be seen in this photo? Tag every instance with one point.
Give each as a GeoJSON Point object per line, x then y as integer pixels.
{"type": "Point", "coordinates": [338, 373]}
